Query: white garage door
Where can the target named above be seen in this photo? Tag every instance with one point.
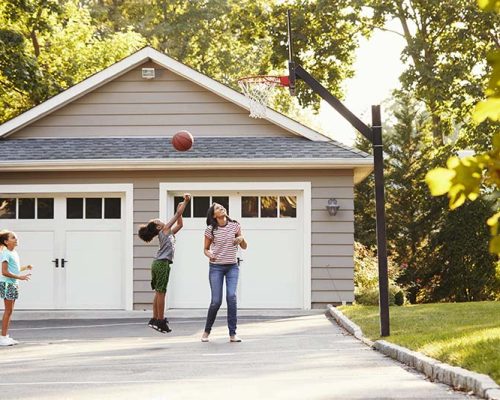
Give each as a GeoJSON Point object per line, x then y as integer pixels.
{"type": "Point", "coordinates": [271, 273]}
{"type": "Point", "coordinates": [76, 246]}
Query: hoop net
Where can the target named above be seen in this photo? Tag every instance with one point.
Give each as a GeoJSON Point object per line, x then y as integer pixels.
{"type": "Point", "coordinates": [258, 90]}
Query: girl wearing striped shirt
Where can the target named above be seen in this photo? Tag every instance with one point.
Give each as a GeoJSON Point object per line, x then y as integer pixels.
{"type": "Point", "coordinates": [222, 238]}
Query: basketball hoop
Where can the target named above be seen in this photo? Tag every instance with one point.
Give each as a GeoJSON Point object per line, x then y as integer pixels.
{"type": "Point", "coordinates": [258, 89]}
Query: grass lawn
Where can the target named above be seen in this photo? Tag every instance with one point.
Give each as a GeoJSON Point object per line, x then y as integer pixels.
{"type": "Point", "coordinates": [462, 334]}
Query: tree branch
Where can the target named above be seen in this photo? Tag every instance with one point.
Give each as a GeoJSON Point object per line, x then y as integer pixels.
{"type": "Point", "coordinates": [6, 84]}
{"type": "Point", "coordinates": [385, 29]}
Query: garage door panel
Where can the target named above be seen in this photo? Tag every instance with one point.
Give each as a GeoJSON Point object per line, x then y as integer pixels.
{"type": "Point", "coordinates": [269, 276]}
{"type": "Point", "coordinates": [94, 276]}
{"type": "Point", "coordinates": [37, 249]}
{"type": "Point", "coordinates": [188, 286]}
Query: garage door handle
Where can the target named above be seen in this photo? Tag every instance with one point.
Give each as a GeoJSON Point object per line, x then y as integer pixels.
{"type": "Point", "coordinates": [56, 261]}
{"type": "Point", "coordinates": [63, 261]}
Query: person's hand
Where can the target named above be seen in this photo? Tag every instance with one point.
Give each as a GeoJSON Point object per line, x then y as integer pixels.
{"type": "Point", "coordinates": [30, 267]}
{"type": "Point", "coordinates": [187, 197]}
{"type": "Point", "coordinates": [238, 240]}
{"type": "Point", "coordinates": [179, 206]}
{"type": "Point", "coordinates": [25, 277]}
{"type": "Point", "coordinates": [210, 255]}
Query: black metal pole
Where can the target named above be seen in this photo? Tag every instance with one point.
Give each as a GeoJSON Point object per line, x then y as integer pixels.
{"type": "Point", "coordinates": [319, 89]}
{"type": "Point", "coordinates": [291, 62]}
{"type": "Point", "coordinates": [374, 135]}
{"type": "Point", "coordinates": [383, 278]}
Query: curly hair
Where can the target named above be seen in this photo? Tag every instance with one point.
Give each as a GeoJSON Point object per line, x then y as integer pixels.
{"type": "Point", "coordinates": [148, 232]}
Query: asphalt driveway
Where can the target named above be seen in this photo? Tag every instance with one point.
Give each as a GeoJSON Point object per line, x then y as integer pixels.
{"type": "Point", "coordinates": [298, 357]}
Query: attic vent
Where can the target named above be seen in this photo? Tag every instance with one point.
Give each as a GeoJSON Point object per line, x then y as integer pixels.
{"type": "Point", "coordinates": [148, 73]}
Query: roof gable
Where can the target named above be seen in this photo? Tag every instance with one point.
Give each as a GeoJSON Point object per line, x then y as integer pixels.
{"type": "Point", "coordinates": [122, 67]}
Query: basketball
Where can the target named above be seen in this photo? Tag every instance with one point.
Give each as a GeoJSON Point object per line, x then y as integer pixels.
{"type": "Point", "coordinates": [182, 141]}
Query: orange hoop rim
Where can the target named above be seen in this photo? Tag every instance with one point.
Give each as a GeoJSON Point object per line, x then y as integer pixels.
{"type": "Point", "coordinates": [267, 79]}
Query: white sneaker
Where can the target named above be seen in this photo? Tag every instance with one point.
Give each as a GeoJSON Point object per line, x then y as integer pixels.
{"type": "Point", "coordinates": [14, 341]}
{"type": "Point", "coordinates": [6, 341]}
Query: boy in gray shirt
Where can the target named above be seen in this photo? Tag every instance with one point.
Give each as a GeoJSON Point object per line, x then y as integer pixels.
{"type": "Point", "coordinates": [160, 268]}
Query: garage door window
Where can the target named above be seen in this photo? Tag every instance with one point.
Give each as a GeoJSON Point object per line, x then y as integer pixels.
{"type": "Point", "coordinates": [8, 208]}
{"type": "Point", "coordinates": [288, 206]}
{"type": "Point", "coordinates": [267, 206]}
{"type": "Point", "coordinates": [199, 205]}
{"type": "Point", "coordinates": [26, 208]}
{"type": "Point", "coordinates": [93, 207]}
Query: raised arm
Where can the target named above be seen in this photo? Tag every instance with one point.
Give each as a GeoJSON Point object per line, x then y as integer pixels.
{"type": "Point", "coordinates": [180, 209]}
{"type": "Point", "coordinates": [179, 224]}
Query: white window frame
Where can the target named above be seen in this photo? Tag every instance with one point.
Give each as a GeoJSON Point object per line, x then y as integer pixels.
{"type": "Point", "coordinates": [128, 215]}
{"type": "Point", "coordinates": [304, 187]}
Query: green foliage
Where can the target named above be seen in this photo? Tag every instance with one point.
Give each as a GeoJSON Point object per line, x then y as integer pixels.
{"type": "Point", "coordinates": [489, 5]}
{"type": "Point", "coordinates": [364, 202]}
{"type": "Point", "coordinates": [48, 46]}
{"type": "Point", "coordinates": [464, 178]}
{"type": "Point", "coordinates": [366, 277]}
{"type": "Point", "coordinates": [446, 43]}
{"type": "Point", "coordinates": [399, 298]}
{"type": "Point", "coordinates": [326, 34]}
{"type": "Point", "coordinates": [460, 267]}
{"type": "Point", "coordinates": [66, 41]}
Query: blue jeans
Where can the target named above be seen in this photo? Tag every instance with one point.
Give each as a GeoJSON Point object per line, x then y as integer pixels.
{"type": "Point", "coordinates": [216, 277]}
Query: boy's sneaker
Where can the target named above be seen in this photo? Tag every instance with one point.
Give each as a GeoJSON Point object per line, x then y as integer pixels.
{"type": "Point", "coordinates": [163, 326]}
{"type": "Point", "coordinates": [153, 323]}
{"type": "Point", "coordinates": [6, 341]}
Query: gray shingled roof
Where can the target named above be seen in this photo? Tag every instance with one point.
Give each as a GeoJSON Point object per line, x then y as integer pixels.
{"type": "Point", "coordinates": [160, 148]}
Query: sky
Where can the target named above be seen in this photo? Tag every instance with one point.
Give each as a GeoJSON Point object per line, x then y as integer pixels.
{"type": "Point", "coordinates": [377, 70]}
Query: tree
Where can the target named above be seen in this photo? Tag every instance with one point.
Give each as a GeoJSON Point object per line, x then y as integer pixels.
{"type": "Point", "coordinates": [364, 203]}
{"type": "Point", "coordinates": [48, 46]}
{"type": "Point", "coordinates": [411, 211]}
{"type": "Point", "coordinates": [446, 43]}
{"type": "Point", "coordinates": [459, 267]}
{"type": "Point", "coordinates": [466, 178]}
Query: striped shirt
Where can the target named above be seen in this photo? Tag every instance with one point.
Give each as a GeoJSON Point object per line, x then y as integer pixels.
{"type": "Point", "coordinates": [222, 246]}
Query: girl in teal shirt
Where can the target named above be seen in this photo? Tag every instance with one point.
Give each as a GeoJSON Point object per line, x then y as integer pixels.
{"type": "Point", "coordinates": [9, 278]}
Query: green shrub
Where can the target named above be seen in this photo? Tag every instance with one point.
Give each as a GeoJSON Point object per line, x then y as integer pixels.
{"type": "Point", "coordinates": [399, 298]}
{"type": "Point", "coordinates": [366, 278]}
{"type": "Point", "coordinates": [369, 296]}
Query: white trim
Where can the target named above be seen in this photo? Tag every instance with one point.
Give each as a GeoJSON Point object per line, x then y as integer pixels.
{"type": "Point", "coordinates": [305, 187]}
{"type": "Point", "coordinates": [362, 166]}
{"type": "Point", "coordinates": [188, 163]}
{"type": "Point", "coordinates": [165, 61]}
{"type": "Point", "coordinates": [126, 188]}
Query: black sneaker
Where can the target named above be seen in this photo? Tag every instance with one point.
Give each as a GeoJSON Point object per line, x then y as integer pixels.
{"type": "Point", "coordinates": [163, 326]}
{"type": "Point", "coordinates": [153, 324]}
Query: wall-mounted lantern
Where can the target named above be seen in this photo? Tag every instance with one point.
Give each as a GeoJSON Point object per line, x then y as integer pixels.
{"type": "Point", "coordinates": [332, 207]}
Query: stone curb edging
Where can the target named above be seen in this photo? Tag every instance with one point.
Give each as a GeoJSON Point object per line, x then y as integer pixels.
{"type": "Point", "coordinates": [459, 378]}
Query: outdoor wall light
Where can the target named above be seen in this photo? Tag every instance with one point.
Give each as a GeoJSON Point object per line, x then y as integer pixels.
{"type": "Point", "coordinates": [332, 206]}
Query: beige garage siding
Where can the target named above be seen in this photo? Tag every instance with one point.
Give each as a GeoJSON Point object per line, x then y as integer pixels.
{"type": "Point", "coordinates": [132, 106]}
{"type": "Point", "coordinates": [332, 237]}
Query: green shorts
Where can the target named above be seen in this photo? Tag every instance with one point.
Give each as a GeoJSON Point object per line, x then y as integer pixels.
{"type": "Point", "coordinates": [160, 271]}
